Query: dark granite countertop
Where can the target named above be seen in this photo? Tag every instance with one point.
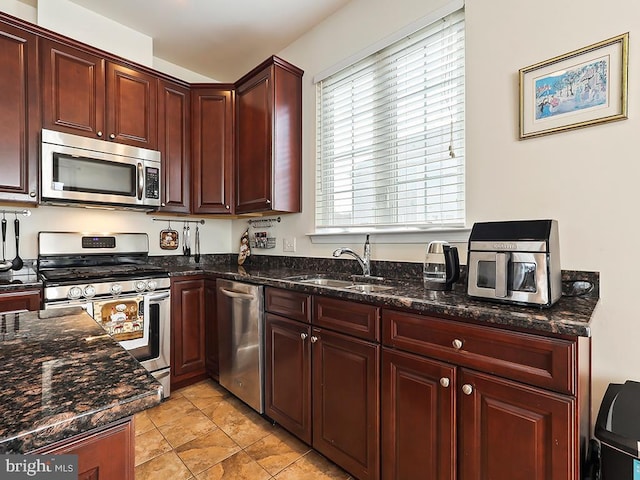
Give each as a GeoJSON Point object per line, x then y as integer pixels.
{"type": "Point", "coordinates": [62, 376]}
{"type": "Point", "coordinates": [23, 279]}
{"type": "Point", "coordinates": [571, 315]}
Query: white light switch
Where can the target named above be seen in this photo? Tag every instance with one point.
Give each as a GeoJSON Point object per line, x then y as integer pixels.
{"type": "Point", "coordinates": [289, 244]}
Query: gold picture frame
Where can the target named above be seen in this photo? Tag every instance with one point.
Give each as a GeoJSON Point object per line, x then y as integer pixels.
{"type": "Point", "coordinates": [578, 89]}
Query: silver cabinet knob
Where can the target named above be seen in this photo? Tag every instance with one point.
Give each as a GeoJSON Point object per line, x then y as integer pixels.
{"type": "Point", "coordinates": [444, 381]}
{"type": "Point", "coordinates": [99, 133]}
{"type": "Point", "coordinates": [314, 339]}
{"type": "Point", "coordinates": [303, 336]}
{"type": "Point", "coordinates": [467, 389]}
{"type": "Point", "coordinates": [457, 344]}
{"type": "Point", "coordinates": [112, 136]}
{"type": "Point", "coordinates": [227, 207]}
{"type": "Point", "coordinates": [268, 202]}
{"type": "Point", "coordinates": [32, 194]}
{"type": "Point", "coordinates": [163, 204]}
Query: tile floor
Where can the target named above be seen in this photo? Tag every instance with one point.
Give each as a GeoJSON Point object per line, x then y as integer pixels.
{"type": "Point", "coordinates": [204, 433]}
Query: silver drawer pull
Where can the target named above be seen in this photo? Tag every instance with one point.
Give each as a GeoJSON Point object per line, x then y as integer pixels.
{"type": "Point", "coordinates": [457, 344]}
{"type": "Point", "coordinates": [314, 339]}
{"type": "Point", "coordinates": [444, 381]}
{"type": "Point", "coordinates": [303, 336]}
{"type": "Point", "coordinates": [467, 389]}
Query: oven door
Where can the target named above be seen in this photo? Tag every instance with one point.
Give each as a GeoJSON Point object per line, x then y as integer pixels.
{"type": "Point", "coordinates": [517, 277]}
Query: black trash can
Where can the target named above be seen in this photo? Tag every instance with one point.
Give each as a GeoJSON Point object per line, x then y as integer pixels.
{"type": "Point", "coordinates": [618, 429]}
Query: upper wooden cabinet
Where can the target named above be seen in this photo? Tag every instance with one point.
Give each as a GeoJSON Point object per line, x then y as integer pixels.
{"type": "Point", "coordinates": [269, 138]}
{"type": "Point", "coordinates": [212, 142]}
{"type": "Point", "coordinates": [19, 115]}
{"type": "Point", "coordinates": [87, 95]}
{"type": "Point", "coordinates": [174, 143]}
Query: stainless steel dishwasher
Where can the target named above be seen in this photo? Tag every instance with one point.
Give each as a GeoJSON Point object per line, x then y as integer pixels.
{"type": "Point", "coordinates": [241, 340]}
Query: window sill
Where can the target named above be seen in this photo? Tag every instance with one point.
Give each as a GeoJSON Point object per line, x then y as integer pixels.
{"type": "Point", "coordinates": [452, 235]}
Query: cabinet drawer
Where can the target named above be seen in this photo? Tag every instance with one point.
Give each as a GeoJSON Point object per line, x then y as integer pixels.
{"type": "Point", "coordinates": [290, 304]}
{"type": "Point", "coordinates": [546, 362]}
{"type": "Point", "coordinates": [351, 318]}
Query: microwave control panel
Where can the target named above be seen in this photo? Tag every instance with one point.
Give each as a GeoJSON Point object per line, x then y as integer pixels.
{"type": "Point", "coordinates": [152, 182]}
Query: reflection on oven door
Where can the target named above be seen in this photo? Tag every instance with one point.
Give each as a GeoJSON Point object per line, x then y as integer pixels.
{"type": "Point", "coordinates": [124, 319]}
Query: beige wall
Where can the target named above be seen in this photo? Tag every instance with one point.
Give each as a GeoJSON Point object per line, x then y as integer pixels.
{"type": "Point", "coordinates": [586, 179]}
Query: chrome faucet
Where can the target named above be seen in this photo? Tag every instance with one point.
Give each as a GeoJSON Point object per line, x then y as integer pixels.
{"type": "Point", "coordinates": [364, 261]}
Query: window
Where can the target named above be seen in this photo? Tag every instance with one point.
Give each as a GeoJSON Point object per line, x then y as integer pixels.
{"type": "Point", "coordinates": [390, 135]}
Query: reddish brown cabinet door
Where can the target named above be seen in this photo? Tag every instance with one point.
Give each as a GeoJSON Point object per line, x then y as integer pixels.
{"type": "Point", "coordinates": [131, 106]}
{"type": "Point", "coordinates": [19, 115]}
{"type": "Point", "coordinates": [174, 143]}
{"type": "Point", "coordinates": [346, 407]}
{"type": "Point", "coordinates": [212, 143]}
{"type": "Point", "coordinates": [509, 431]}
{"type": "Point", "coordinates": [188, 331]}
{"type": "Point", "coordinates": [73, 90]}
{"type": "Point", "coordinates": [103, 455]}
{"type": "Point", "coordinates": [418, 417]}
{"type": "Point", "coordinates": [269, 138]}
{"type": "Point", "coordinates": [20, 301]}
{"type": "Point", "coordinates": [288, 375]}
{"type": "Point", "coordinates": [211, 328]}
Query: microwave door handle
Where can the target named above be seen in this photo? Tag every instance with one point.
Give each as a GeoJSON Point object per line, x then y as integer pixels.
{"type": "Point", "coordinates": [502, 264]}
{"type": "Point", "coordinates": [140, 181]}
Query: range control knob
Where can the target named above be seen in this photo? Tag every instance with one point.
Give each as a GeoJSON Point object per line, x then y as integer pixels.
{"type": "Point", "coordinates": [151, 285]}
{"type": "Point", "coordinates": [74, 293]}
{"type": "Point", "coordinates": [89, 291]}
{"type": "Point", "coordinates": [116, 289]}
{"type": "Point", "coordinates": [140, 286]}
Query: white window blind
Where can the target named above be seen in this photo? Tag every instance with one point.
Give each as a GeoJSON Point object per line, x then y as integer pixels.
{"type": "Point", "coordinates": [390, 135]}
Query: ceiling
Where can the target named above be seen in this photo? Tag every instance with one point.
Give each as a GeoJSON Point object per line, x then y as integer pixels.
{"type": "Point", "coordinates": [220, 39]}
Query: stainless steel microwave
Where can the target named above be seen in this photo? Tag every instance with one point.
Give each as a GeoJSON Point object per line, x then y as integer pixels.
{"type": "Point", "coordinates": [77, 170]}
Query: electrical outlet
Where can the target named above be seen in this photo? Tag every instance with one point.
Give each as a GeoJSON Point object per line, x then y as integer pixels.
{"type": "Point", "coordinates": [289, 244]}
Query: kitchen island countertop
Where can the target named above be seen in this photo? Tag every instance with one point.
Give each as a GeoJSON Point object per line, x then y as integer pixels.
{"type": "Point", "coordinates": [63, 376]}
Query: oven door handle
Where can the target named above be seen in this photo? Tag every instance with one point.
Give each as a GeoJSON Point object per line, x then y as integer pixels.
{"type": "Point", "coordinates": [158, 297]}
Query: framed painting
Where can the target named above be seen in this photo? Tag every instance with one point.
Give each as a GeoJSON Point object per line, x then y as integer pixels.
{"type": "Point", "coordinates": [578, 89]}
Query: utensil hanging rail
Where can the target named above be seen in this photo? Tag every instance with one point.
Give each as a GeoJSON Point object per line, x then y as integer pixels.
{"type": "Point", "coordinates": [263, 222]}
{"type": "Point", "coordinates": [177, 220]}
{"type": "Point", "coordinates": [26, 213]}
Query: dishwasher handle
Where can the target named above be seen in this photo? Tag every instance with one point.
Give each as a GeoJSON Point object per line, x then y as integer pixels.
{"type": "Point", "coordinates": [229, 293]}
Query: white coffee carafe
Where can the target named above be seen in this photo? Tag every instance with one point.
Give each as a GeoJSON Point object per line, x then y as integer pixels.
{"type": "Point", "coordinates": [441, 266]}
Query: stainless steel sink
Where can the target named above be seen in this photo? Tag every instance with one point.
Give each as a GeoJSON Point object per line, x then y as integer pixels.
{"type": "Point", "coordinates": [337, 283]}
{"type": "Point", "coordinates": [369, 288]}
{"type": "Point", "coordinates": [327, 282]}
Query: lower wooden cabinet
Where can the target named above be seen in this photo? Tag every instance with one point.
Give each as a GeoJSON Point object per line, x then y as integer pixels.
{"type": "Point", "coordinates": [509, 431]}
{"type": "Point", "coordinates": [346, 407]}
{"type": "Point", "coordinates": [187, 330]}
{"type": "Point", "coordinates": [20, 301]}
{"type": "Point", "coordinates": [481, 402]}
{"type": "Point", "coordinates": [106, 454]}
{"type": "Point", "coordinates": [321, 385]}
{"type": "Point", "coordinates": [288, 375]}
{"type": "Point", "coordinates": [418, 417]}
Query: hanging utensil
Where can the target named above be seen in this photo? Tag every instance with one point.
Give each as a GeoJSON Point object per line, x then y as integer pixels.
{"type": "Point", "coordinates": [184, 238]}
{"type": "Point", "coordinates": [197, 245]}
{"type": "Point", "coordinates": [17, 263]}
{"type": "Point", "coordinates": [188, 240]}
{"type": "Point", "coordinates": [6, 264]}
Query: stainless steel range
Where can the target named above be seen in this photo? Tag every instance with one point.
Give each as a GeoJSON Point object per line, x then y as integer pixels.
{"type": "Point", "coordinates": [109, 275]}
